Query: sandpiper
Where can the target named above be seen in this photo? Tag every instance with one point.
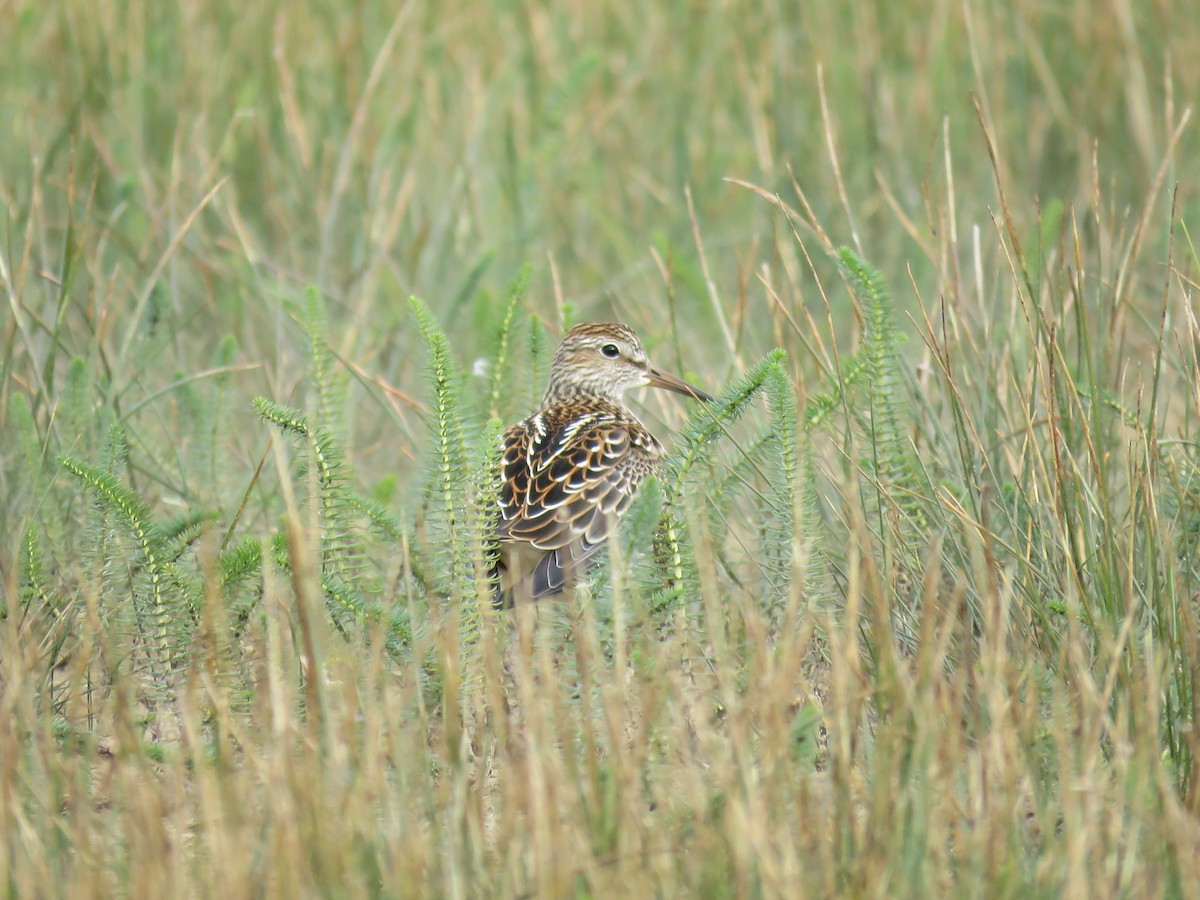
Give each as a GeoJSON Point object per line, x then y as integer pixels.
{"type": "Point", "coordinates": [571, 469]}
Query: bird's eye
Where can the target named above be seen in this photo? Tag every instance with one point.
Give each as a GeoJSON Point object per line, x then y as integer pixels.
{"type": "Point", "coordinates": [612, 351]}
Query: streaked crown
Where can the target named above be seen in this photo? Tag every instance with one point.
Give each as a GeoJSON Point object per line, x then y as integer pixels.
{"type": "Point", "coordinates": [597, 360]}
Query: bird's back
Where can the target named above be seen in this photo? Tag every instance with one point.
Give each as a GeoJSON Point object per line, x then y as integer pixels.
{"type": "Point", "coordinates": [568, 473]}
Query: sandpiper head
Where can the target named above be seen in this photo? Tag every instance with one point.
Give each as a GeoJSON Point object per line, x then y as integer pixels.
{"type": "Point", "coordinates": [602, 360]}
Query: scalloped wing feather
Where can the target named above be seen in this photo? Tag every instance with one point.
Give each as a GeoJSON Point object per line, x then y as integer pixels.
{"type": "Point", "coordinates": [568, 476]}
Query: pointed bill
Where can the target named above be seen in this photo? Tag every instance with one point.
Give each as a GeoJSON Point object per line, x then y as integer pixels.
{"type": "Point", "coordinates": [660, 379]}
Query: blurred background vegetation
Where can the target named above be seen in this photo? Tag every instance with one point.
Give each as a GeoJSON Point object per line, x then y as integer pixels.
{"type": "Point", "coordinates": [209, 160]}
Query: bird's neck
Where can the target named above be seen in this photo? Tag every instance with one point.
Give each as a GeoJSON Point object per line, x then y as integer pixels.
{"type": "Point", "coordinates": [577, 394]}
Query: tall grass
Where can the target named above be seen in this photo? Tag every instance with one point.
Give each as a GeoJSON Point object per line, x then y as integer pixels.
{"type": "Point", "coordinates": [912, 608]}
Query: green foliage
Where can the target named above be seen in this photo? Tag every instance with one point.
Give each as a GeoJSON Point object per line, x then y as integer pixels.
{"type": "Point", "coordinates": [77, 411]}
{"type": "Point", "coordinates": [893, 487]}
{"type": "Point", "coordinates": [345, 572]}
{"type": "Point", "coordinates": [502, 374]}
{"type": "Point", "coordinates": [641, 521]}
{"type": "Point", "coordinates": [678, 577]}
{"type": "Point", "coordinates": [778, 530]}
{"type": "Point", "coordinates": [889, 458]}
{"type": "Point", "coordinates": [240, 562]}
{"type": "Point", "coordinates": [326, 454]}
{"type": "Point", "coordinates": [706, 425]}
{"type": "Point", "coordinates": [157, 617]}
{"type": "Point", "coordinates": [382, 519]}
{"type": "Point", "coordinates": [208, 419]}
{"type": "Point", "coordinates": [480, 519]}
{"type": "Point", "coordinates": [460, 472]}
{"type": "Point", "coordinates": [35, 592]}
{"type": "Point", "coordinates": [32, 479]}
{"type": "Point", "coordinates": [539, 362]}
{"type": "Point", "coordinates": [810, 560]}
{"type": "Point", "coordinates": [821, 405]}
{"type": "Point", "coordinates": [325, 380]}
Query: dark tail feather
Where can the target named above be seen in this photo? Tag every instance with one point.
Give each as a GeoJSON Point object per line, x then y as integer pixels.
{"type": "Point", "coordinates": [550, 575]}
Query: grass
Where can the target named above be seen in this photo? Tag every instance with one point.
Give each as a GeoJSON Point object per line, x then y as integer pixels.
{"type": "Point", "coordinates": [911, 612]}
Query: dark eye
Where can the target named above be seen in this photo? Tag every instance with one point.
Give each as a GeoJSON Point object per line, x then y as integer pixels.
{"type": "Point", "coordinates": [612, 351]}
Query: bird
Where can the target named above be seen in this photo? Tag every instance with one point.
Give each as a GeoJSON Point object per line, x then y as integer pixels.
{"type": "Point", "coordinates": [571, 470]}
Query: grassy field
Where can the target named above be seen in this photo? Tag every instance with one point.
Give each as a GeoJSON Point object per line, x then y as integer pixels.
{"type": "Point", "coordinates": [913, 609]}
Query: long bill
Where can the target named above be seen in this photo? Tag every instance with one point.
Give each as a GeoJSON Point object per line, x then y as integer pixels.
{"type": "Point", "coordinates": [660, 379]}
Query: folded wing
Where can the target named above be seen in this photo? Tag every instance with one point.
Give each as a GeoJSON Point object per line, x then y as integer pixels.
{"type": "Point", "coordinates": [564, 487]}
